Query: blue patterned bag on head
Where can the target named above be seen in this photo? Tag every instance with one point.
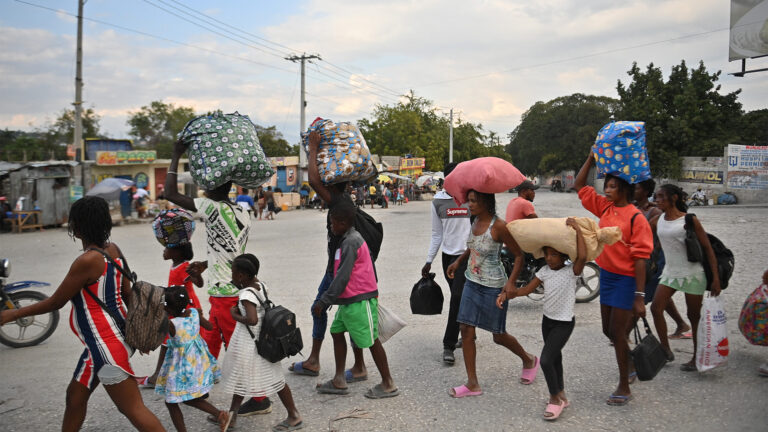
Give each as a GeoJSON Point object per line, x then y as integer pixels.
{"type": "Point", "coordinates": [224, 147]}
{"type": "Point", "coordinates": [620, 150]}
{"type": "Point", "coordinates": [343, 154]}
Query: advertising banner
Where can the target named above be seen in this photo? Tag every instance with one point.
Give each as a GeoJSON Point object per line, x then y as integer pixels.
{"type": "Point", "coordinates": [747, 167]}
{"type": "Point", "coordinates": [702, 176]}
{"type": "Point", "coordinates": [125, 157]}
{"type": "Point", "coordinates": [749, 29]}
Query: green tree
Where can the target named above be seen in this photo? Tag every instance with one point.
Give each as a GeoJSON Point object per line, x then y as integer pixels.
{"type": "Point", "coordinates": [754, 128]}
{"type": "Point", "coordinates": [156, 125]}
{"type": "Point", "coordinates": [556, 135]}
{"type": "Point", "coordinates": [416, 127]}
{"type": "Point", "coordinates": [273, 143]}
{"type": "Point", "coordinates": [684, 116]}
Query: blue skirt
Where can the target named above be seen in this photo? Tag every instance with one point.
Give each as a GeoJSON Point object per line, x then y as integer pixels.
{"type": "Point", "coordinates": [617, 290]}
{"type": "Point", "coordinates": [478, 308]}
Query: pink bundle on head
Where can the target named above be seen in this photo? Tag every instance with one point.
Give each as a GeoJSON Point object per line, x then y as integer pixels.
{"type": "Point", "coordinates": [486, 174]}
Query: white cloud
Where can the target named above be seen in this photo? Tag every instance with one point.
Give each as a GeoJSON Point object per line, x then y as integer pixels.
{"type": "Point", "coordinates": [522, 51]}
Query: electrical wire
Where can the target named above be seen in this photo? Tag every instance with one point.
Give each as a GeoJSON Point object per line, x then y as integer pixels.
{"type": "Point", "coordinates": [347, 72]}
{"type": "Point", "coordinates": [162, 38]}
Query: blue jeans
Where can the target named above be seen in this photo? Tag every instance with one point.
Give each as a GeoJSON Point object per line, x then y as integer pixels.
{"type": "Point", "coordinates": [320, 323]}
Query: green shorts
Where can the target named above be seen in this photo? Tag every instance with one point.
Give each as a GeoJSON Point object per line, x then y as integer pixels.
{"type": "Point", "coordinates": [360, 320]}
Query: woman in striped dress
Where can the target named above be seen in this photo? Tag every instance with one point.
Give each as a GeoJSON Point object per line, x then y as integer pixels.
{"type": "Point", "coordinates": [106, 354]}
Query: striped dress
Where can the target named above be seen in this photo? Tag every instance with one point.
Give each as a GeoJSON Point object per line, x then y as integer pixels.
{"type": "Point", "coordinates": [103, 338]}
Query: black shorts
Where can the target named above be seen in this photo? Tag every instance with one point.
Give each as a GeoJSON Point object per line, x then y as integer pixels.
{"type": "Point", "coordinates": [270, 206]}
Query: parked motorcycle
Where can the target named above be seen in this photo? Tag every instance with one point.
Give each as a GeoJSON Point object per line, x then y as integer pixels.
{"type": "Point", "coordinates": [588, 283]}
{"type": "Point", "coordinates": [29, 330]}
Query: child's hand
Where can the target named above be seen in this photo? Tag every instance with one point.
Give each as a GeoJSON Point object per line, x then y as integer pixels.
{"type": "Point", "coordinates": [235, 312]}
{"type": "Point", "coordinates": [197, 267]}
{"type": "Point", "coordinates": [571, 222]}
{"type": "Point", "coordinates": [314, 141]}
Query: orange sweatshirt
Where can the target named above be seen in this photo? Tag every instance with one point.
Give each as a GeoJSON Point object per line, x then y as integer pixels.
{"type": "Point", "coordinates": [636, 238]}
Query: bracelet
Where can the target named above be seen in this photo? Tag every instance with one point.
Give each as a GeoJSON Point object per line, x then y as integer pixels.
{"type": "Point", "coordinates": [172, 172]}
{"type": "Point", "coordinates": [639, 293]}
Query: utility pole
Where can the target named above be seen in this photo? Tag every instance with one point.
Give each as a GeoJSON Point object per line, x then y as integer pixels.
{"type": "Point", "coordinates": [77, 140]}
{"type": "Point", "coordinates": [302, 117]}
{"type": "Point", "coordinates": [450, 140]}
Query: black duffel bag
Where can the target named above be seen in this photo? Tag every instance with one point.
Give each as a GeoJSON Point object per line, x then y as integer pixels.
{"type": "Point", "coordinates": [427, 297]}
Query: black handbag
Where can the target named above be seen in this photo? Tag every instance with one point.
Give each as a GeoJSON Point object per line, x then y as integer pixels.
{"type": "Point", "coordinates": [649, 356]}
{"type": "Point", "coordinates": [692, 245]}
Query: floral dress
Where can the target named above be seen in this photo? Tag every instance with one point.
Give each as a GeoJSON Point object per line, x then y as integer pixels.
{"type": "Point", "coordinates": [189, 370]}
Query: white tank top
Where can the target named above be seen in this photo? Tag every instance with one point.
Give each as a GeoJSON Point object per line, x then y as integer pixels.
{"type": "Point", "coordinates": [672, 237]}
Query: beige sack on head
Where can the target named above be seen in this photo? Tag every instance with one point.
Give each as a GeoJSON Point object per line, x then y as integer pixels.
{"type": "Point", "coordinates": [533, 234]}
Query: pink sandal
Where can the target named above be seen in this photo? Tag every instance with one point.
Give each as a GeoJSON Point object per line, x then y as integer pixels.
{"type": "Point", "coordinates": [555, 410]}
{"type": "Point", "coordinates": [529, 375]}
{"type": "Point", "coordinates": [463, 391]}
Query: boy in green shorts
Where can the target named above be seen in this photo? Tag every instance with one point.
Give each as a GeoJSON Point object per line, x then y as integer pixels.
{"type": "Point", "coordinates": [354, 290]}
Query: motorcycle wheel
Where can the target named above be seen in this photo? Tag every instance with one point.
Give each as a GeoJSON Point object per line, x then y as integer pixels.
{"type": "Point", "coordinates": [588, 284]}
{"type": "Point", "coordinates": [28, 331]}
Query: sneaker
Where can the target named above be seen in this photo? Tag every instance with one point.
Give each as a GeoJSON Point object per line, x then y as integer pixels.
{"type": "Point", "coordinates": [252, 407]}
{"type": "Point", "coordinates": [448, 357]}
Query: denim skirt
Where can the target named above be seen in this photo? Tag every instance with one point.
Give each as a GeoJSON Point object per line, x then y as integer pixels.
{"type": "Point", "coordinates": [617, 290]}
{"type": "Point", "coordinates": [478, 308]}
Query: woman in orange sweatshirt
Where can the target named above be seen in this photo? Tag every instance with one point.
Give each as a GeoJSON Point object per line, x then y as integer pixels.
{"type": "Point", "coordinates": [622, 265]}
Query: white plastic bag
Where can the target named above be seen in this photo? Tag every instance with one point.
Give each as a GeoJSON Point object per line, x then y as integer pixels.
{"type": "Point", "coordinates": [389, 323]}
{"type": "Point", "coordinates": [712, 349]}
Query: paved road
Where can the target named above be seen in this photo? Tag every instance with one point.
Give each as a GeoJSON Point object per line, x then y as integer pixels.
{"type": "Point", "coordinates": [292, 253]}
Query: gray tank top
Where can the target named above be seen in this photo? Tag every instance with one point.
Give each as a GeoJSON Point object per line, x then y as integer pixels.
{"type": "Point", "coordinates": [484, 266]}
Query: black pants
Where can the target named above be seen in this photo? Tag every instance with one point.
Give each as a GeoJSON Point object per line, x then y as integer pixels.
{"type": "Point", "coordinates": [556, 334]}
{"type": "Point", "coordinates": [456, 285]}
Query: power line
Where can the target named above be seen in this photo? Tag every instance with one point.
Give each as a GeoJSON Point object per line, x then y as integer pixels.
{"type": "Point", "coordinates": [247, 44]}
{"type": "Point", "coordinates": [150, 35]}
{"type": "Point", "coordinates": [569, 59]}
{"type": "Point", "coordinates": [281, 54]}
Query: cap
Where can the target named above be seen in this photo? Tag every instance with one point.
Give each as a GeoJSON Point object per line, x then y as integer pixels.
{"type": "Point", "coordinates": [526, 185]}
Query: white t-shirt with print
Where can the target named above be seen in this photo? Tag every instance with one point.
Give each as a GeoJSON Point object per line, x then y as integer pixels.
{"type": "Point", "coordinates": [559, 292]}
{"type": "Point", "coordinates": [226, 228]}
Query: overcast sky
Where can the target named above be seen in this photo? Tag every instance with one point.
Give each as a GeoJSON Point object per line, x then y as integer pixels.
{"type": "Point", "coordinates": [490, 60]}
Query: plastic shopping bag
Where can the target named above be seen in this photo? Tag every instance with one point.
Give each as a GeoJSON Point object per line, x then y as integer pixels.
{"type": "Point", "coordinates": [389, 323]}
{"type": "Point", "coordinates": [712, 350]}
{"type": "Point", "coordinates": [427, 297]}
{"type": "Point", "coordinates": [620, 150]}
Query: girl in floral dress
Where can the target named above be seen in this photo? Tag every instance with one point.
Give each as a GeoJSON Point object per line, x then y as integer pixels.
{"type": "Point", "coordinates": [189, 370]}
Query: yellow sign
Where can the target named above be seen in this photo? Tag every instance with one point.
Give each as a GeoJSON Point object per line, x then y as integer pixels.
{"type": "Point", "coordinates": [125, 157]}
{"type": "Point", "coordinates": [700, 176]}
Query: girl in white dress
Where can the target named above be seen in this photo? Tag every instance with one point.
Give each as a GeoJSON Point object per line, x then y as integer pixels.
{"type": "Point", "coordinates": [245, 372]}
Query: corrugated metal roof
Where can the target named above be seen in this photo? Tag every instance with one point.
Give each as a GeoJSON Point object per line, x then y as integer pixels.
{"type": "Point", "coordinates": [6, 167]}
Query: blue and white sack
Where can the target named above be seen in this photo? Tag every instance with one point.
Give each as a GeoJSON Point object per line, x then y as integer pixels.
{"type": "Point", "coordinates": [343, 154]}
{"type": "Point", "coordinates": [620, 150]}
{"type": "Point", "coordinates": [224, 147]}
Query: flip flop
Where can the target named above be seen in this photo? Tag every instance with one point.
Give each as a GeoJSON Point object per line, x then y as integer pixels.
{"type": "Point", "coordinates": [463, 391]}
{"type": "Point", "coordinates": [230, 415]}
{"type": "Point", "coordinates": [553, 409]}
{"type": "Point", "coordinates": [328, 388]}
{"type": "Point", "coordinates": [298, 369]}
{"type": "Point", "coordinates": [618, 400]}
{"type": "Point", "coordinates": [632, 377]}
{"type": "Point", "coordinates": [351, 378]}
{"type": "Point", "coordinates": [685, 335]}
{"type": "Point", "coordinates": [687, 367]}
{"type": "Point", "coordinates": [284, 426]}
{"type": "Point", "coordinates": [763, 370]}
{"type": "Point", "coordinates": [378, 392]}
{"type": "Point", "coordinates": [529, 375]}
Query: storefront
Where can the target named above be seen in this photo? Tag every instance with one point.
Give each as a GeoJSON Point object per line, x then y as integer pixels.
{"type": "Point", "coordinates": [141, 166]}
{"type": "Point", "coordinates": [286, 170]}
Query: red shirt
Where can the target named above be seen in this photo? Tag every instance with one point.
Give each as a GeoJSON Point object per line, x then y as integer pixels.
{"type": "Point", "coordinates": [177, 276]}
{"type": "Point", "coordinates": [519, 208]}
{"type": "Point", "coordinates": [636, 238]}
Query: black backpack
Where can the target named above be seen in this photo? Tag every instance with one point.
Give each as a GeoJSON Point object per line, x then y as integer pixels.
{"type": "Point", "coordinates": [372, 232]}
{"type": "Point", "coordinates": [279, 337]}
{"type": "Point", "coordinates": [723, 255]}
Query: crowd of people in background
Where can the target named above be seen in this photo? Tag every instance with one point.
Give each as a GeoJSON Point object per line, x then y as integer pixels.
{"type": "Point", "coordinates": [470, 236]}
